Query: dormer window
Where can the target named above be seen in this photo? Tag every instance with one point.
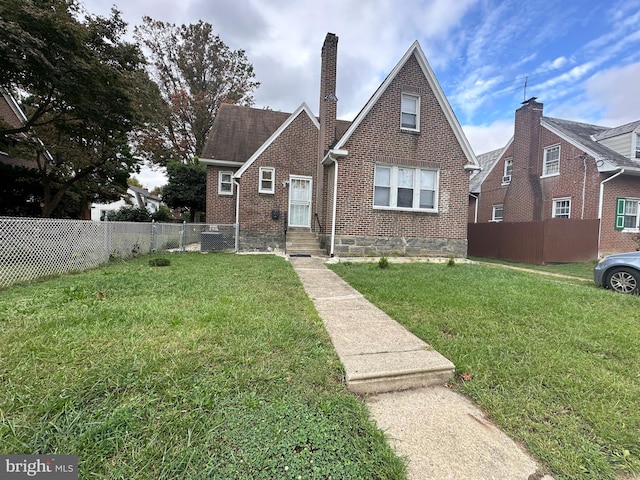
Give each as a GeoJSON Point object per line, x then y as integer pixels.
{"type": "Point", "coordinates": [508, 170]}
{"type": "Point", "coordinates": [410, 112]}
{"type": "Point", "coordinates": [637, 145]}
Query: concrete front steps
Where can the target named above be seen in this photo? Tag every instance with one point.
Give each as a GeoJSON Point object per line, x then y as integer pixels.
{"type": "Point", "coordinates": [302, 241]}
{"type": "Point", "coordinates": [378, 354]}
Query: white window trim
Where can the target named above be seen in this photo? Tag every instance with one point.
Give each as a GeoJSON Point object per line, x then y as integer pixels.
{"type": "Point", "coordinates": [417, 113]}
{"type": "Point", "coordinates": [220, 182]}
{"type": "Point", "coordinates": [271, 190]}
{"type": "Point", "coordinates": [505, 180]}
{"type": "Point", "coordinates": [393, 195]}
{"type": "Point", "coordinates": [493, 213]}
{"type": "Point", "coordinates": [555, 204]}
{"type": "Point", "coordinates": [637, 146]}
{"type": "Point", "coordinates": [635, 229]}
{"type": "Point", "coordinates": [544, 161]}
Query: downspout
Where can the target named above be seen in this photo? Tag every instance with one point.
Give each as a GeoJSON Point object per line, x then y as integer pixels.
{"type": "Point", "coordinates": [475, 215]}
{"type": "Point", "coordinates": [334, 207]}
{"type": "Point", "coordinates": [600, 201]}
{"type": "Point", "coordinates": [237, 242]}
{"type": "Point", "coordinates": [584, 185]}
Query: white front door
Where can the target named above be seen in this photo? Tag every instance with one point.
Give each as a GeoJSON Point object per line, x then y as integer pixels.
{"type": "Point", "coordinates": [299, 201]}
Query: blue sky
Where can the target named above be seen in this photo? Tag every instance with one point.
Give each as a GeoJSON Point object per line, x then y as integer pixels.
{"type": "Point", "coordinates": [581, 58]}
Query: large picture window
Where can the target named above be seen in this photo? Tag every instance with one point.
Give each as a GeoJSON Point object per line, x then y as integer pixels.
{"type": "Point", "coordinates": [406, 188]}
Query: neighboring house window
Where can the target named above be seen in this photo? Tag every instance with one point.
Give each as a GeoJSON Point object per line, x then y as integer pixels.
{"type": "Point", "coordinates": [267, 180]}
{"type": "Point", "coordinates": [561, 208]}
{"type": "Point", "coordinates": [627, 214]}
{"type": "Point", "coordinates": [496, 215]}
{"type": "Point", "coordinates": [637, 145]}
{"type": "Point", "coordinates": [410, 116]}
{"type": "Point", "coordinates": [225, 183]}
{"type": "Point", "coordinates": [405, 188]}
{"type": "Point", "coordinates": [508, 169]}
{"type": "Point", "coordinates": [551, 161]}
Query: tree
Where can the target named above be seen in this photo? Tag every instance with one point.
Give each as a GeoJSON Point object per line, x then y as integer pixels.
{"type": "Point", "coordinates": [196, 72]}
{"type": "Point", "coordinates": [84, 91]}
{"type": "Point", "coordinates": [129, 213]}
{"type": "Point", "coordinates": [187, 187]}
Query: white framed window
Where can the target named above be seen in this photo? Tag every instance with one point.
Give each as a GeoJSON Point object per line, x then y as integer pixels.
{"type": "Point", "coordinates": [627, 217]}
{"type": "Point", "coordinates": [225, 183]}
{"type": "Point", "coordinates": [497, 213]}
{"type": "Point", "coordinates": [508, 170]}
{"type": "Point", "coordinates": [561, 208]}
{"type": "Point", "coordinates": [405, 188]}
{"type": "Point", "coordinates": [267, 180]}
{"type": "Point", "coordinates": [637, 145]}
{"type": "Point", "coordinates": [410, 112]}
{"type": "Point", "coordinates": [551, 164]}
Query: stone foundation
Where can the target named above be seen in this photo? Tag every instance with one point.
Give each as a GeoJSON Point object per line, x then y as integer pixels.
{"type": "Point", "coordinates": [260, 242]}
{"type": "Point", "coordinates": [353, 246]}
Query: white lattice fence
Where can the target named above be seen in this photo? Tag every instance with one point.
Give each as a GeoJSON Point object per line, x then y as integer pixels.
{"type": "Point", "coordinates": [31, 248]}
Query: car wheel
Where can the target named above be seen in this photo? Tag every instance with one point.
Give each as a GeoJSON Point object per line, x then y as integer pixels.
{"type": "Point", "coordinates": [624, 280]}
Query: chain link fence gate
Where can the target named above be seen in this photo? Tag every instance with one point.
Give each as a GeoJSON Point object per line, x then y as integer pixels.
{"type": "Point", "coordinates": [31, 248]}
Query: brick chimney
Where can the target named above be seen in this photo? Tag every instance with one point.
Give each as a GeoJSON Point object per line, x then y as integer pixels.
{"type": "Point", "coordinates": [328, 100]}
{"type": "Point", "coordinates": [523, 199]}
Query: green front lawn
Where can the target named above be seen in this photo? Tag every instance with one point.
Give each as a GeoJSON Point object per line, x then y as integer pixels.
{"type": "Point", "coordinates": [216, 366]}
{"type": "Point", "coordinates": [555, 362]}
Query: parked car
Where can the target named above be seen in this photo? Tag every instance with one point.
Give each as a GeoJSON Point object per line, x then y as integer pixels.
{"type": "Point", "coordinates": [619, 272]}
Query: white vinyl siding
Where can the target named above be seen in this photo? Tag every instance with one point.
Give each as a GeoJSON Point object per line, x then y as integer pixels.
{"type": "Point", "coordinates": [410, 112]}
{"type": "Point", "coordinates": [551, 161]}
{"type": "Point", "coordinates": [405, 188]}
{"type": "Point", "coordinates": [225, 183]}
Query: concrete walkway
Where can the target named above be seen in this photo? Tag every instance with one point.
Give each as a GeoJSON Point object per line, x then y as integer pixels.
{"type": "Point", "coordinates": [442, 434]}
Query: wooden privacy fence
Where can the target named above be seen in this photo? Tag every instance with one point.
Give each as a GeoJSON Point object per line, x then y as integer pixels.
{"type": "Point", "coordinates": [558, 240]}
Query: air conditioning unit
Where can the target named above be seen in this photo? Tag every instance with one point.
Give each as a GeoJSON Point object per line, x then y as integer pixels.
{"type": "Point", "coordinates": [506, 179]}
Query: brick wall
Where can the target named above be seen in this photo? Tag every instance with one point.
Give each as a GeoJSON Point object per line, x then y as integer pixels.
{"type": "Point", "coordinates": [220, 208]}
{"type": "Point", "coordinates": [493, 191]}
{"type": "Point", "coordinates": [612, 240]}
{"type": "Point", "coordinates": [379, 139]}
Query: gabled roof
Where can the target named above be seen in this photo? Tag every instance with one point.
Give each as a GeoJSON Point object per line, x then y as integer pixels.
{"type": "Point", "coordinates": [435, 87]}
{"type": "Point", "coordinates": [237, 132]}
{"type": "Point", "coordinates": [10, 111]}
{"type": "Point", "coordinates": [486, 161]}
{"type": "Point", "coordinates": [621, 130]}
{"type": "Point", "coordinates": [582, 136]}
{"type": "Point", "coordinates": [144, 193]}
{"type": "Point", "coordinates": [303, 108]}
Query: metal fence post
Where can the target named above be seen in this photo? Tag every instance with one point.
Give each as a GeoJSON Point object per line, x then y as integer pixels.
{"type": "Point", "coordinates": [183, 236]}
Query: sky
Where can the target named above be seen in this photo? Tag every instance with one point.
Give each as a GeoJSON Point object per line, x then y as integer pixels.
{"type": "Point", "coordinates": [580, 58]}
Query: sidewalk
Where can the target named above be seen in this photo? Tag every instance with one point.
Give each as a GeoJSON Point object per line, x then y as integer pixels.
{"type": "Point", "coordinates": [442, 434]}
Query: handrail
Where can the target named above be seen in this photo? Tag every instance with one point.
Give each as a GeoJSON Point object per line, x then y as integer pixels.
{"type": "Point", "coordinates": [315, 215]}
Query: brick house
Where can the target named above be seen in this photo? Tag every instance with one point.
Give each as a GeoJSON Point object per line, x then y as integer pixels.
{"type": "Point", "coordinates": [554, 168]}
{"type": "Point", "coordinates": [393, 181]}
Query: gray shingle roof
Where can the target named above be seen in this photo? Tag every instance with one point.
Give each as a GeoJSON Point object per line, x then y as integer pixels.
{"type": "Point", "coordinates": [486, 162]}
{"type": "Point", "coordinates": [621, 130]}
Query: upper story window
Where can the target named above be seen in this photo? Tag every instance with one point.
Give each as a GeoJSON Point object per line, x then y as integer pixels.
{"type": "Point", "coordinates": [508, 170]}
{"type": "Point", "coordinates": [410, 114]}
{"type": "Point", "coordinates": [637, 145]}
{"type": "Point", "coordinates": [561, 208]}
{"type": "Point", "coordinates": [405, 188]}
{"type": "Point", "coordinates": [497, 213]}
{"type": "Point", "coordinates": [225, 183]}
{"type": "Point", "coordinates": [267, 180]}
{"type": "Point", "coordinates": [627, 214]}
{"type": "Point", "coordinates": [551, 161]}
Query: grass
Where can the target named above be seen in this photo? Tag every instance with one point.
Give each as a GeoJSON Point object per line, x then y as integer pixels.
{"type": "Point", "coordinates": [555, 362]}
{"type": "Point", "coordinates": [215, 366]}
{"type": "Point", "coordinates": [579, 269]}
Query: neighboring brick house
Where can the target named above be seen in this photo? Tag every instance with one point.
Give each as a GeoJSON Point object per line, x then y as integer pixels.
{"type": "Point", "coordinates": [553, 168]}
{"type": "Point", "coordinates": [393, 181]}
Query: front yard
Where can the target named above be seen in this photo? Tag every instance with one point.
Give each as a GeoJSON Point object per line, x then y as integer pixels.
{"type": "Point", "coordinates": [555, 361]}
{"type": "Point", "coordinates": [216, 366]}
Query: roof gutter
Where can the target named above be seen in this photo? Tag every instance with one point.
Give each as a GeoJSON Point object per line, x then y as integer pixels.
{"type": "Point", "coordinates": [600, 202]}
{"type": "Point", "coordinates": [333, 156]}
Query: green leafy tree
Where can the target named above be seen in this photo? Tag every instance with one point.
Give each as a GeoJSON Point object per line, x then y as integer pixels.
{"type": "Point", "coordinates": [129, 213]}
{"type": "Point", "coordinates": [196, 72]}
{"type": "Point", "coordinates": [187, 188]}
{"type": "Point", "coordinates": [84, 91]}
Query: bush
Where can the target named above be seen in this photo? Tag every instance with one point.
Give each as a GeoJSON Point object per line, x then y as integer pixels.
{"type": "Point", "coordinates": [159, 262]}
{"type": "Point", "coordinates": [129, 214]}
{"type": "Point", "coordinates": [383, 262]}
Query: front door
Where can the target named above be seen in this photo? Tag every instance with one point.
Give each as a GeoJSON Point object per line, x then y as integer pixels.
{"type": "Point", "coordinates": [300, 201]}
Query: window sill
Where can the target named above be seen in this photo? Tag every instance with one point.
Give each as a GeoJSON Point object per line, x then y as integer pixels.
{"type": "Point", "coordinates": [265, 192]}
{"type": "Point", "coordinates": [630, 230]}
{"type": "Point", "coordinates": [410, 130]}
{"type": "Point", "coordinates": [549, 175]}
{"type": "Point", "coordinates": [409, 210]}
{"type": "Point", "coordinates": [505, 184]}
{"type": "Point", "coordinates": [225, 194]}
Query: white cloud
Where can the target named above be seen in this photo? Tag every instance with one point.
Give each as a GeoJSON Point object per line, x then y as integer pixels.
{"type": "Point", "coordinates": [487, 137]}
{"type": "Point", "coordinates": [615, 92]}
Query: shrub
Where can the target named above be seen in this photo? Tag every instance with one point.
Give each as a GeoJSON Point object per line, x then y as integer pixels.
{"type": "Point", "coordinates": [383, 262]}
{"type": "Point", "coordinates": [159, 262]}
